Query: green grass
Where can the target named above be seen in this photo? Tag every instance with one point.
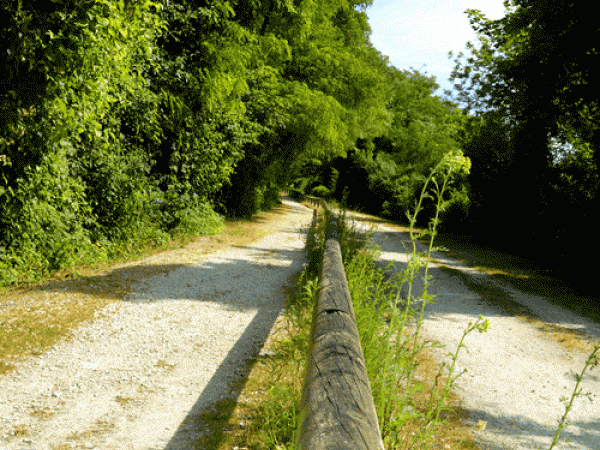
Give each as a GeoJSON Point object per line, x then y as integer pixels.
{"type": "Point", "coordinates": [411, 410]}
{"type": "Point", "coordinates": [413, 396]}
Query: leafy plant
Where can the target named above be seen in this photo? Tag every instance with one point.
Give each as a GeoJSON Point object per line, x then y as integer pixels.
{"type": "Point", "coordinates": [591, 362]}
{"type": "Point", "coordinates": [382, 317]}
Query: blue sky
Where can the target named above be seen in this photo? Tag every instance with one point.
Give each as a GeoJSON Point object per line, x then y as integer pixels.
{"type": "Point", "coordinates": [420, 33]}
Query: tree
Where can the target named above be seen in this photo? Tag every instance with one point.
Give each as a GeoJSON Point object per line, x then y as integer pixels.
{"type": "Point", "coordinates": [537, 66]}
{"type": "Point", "coordinates": [314, 85]}
{"type": "Point", "coordinates": [560, 57]}
{"type": "Point", "coordinates": [533, 75]}
{"type": "Point", "coordinates": [423, 130]}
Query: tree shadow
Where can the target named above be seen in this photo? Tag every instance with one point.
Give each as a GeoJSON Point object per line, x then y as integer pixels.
{"type": "Point", "coordinates": [527, 433]}
{"type": "Point", "coordinates": [246, 279]}
{"type": "Point", "coordinates": [503, 297]}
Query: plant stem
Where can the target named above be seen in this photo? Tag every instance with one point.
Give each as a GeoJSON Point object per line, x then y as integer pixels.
{"type": "Point", "coordinates": [592, 360]}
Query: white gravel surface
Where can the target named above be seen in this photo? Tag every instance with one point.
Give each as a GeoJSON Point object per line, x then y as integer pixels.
{"type": "Point", "coordinates": [137, 376]}
{"type": "Point", "coordinates": [515, 375]}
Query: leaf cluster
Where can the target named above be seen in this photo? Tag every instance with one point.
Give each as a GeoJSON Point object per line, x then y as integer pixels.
{"type": "Point", "coordinates": [125, 122]}
{"type": "Point", "coordinates": [532, 125]}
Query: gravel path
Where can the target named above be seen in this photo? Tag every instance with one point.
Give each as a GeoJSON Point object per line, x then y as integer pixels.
{"type": "Point", "coordinates": [516, 373]}
{"type": "Point", "coordinates": [140, 374]}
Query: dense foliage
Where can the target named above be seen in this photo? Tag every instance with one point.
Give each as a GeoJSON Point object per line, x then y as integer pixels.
{"type": "Point", "coordinates": [534, 129]}
{"type": "Point", "coordinates": [123, 123]}
{"type": "Point", "coordinates": [87, 159]}
{"type": "Point", "coordinates": [384, 174]}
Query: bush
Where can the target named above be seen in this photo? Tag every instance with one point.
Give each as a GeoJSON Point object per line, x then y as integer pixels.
{"type": "Point", "coordinates": [94, 130]}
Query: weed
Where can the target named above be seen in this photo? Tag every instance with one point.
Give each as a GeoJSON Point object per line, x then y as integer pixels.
{"type": "Point", "coordinates": [382, 317]}
{"type": "Point", "coordinates": [270, 416]}
{"type": "Point", "coordinates": [591, 361]}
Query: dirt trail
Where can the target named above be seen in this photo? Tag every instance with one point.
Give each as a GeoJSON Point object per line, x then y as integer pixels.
{"type": "Point", "coordinates": [140, 376]}
{"type": "Point", "coordinates": [145, 371]}
{"type": "Point", "coordinates": [516, 372]}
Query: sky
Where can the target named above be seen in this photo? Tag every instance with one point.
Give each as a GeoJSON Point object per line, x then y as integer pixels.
{"type": "Point", "coordinates": [420, 33]}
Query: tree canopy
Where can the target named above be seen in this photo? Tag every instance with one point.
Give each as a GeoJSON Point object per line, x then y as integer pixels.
{"type": "Point", "coordinates": [530, 88]}
{"type": "Point", "coordinates": [127, 122]}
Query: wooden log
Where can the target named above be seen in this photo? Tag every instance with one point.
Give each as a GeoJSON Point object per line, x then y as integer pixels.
{"type": "Point", "coordinates": [337, 405]}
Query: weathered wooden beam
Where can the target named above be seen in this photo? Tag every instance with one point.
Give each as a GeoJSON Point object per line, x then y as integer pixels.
{"type": "Point", "coordinates": [337, 405]}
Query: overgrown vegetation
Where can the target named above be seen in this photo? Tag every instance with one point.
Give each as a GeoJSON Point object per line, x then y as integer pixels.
{"type": "Point", "coordinates": [410, 412]}
{"type": "Point", "coordinates": [383, 317]}
{"type": "Point", "coordinates": [412, 397]}
{"type": "Point", "coordinates": [124, 122]}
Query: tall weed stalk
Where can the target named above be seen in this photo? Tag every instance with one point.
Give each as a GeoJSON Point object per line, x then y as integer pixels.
{"type": "Point", "coordinates": [591, 362]}
{"type": "Point", "coordinates": [382, 317]}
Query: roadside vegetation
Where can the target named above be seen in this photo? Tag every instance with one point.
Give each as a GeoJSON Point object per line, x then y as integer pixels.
{"type": "Point", "coordinates": [413, 395]}
{"type": "Point", "coordinates": [414, 402]}
{"type": "Point", "coordinates": [35, 316]}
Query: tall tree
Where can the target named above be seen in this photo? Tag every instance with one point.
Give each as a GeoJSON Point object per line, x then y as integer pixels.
{"type": "Point", "coordinates": [423, 130]}
{"type": "Point", "coordinates": [534, 72]}
{"type": "Point", "coordinates": [315, 85]}
{"type": "Point", "coordinates": [536, 66]}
